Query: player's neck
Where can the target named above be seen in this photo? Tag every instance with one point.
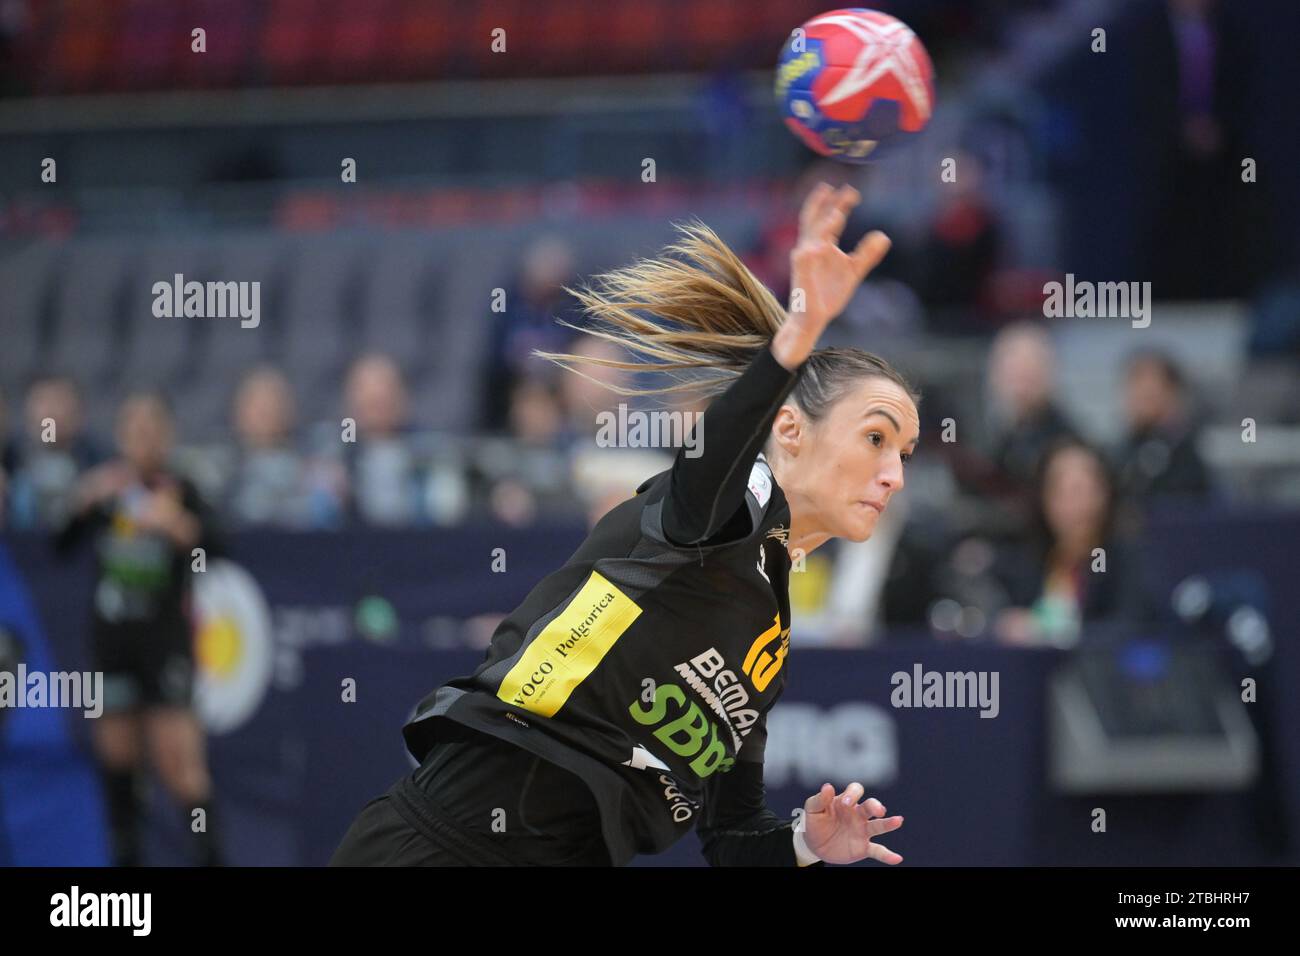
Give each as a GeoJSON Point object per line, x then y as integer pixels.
{"type": "Point", "coordinates": [803, 539]}
{"type": "Point", "coordinates": [807, 532]}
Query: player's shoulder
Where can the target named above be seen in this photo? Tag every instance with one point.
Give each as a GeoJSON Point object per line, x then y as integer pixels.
{"type": "Point", "coordinates": [758, 488]}
{"type": "Point", "coordinates": [656, 482]}
{"type": "Point", "coordinates": [760, 485]}
{"type": "Point", "coordinates": [762, 502]}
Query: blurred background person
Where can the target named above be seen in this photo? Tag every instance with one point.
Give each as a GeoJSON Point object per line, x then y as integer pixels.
{"type": "Point", "coordinates": [145, 520]}
{"type": "Point", "coordinates": [1158, 457]}
{"type": "Point", "coordinates": [267, 481]}
{"type": "Point", "coordinates": [534, 299]}
{"type": "Point", "coordinates": [1074, 568]}
{"type": "Point", "coordinates": [961, 250]}
{"type": "Point", "coordinates": [383, 478]}
{"type": "Point", "coordinates": [1022, 418]}
{"type": "Point", "coordinates": [526, 473]}
{"type": "Point", "coordinates": [51, 452]}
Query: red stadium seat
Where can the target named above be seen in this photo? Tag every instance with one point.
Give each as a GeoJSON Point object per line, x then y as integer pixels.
{"type": "Point", "coordinates": [525, 35]}
{"type": "Point", "coordinates": [636, 33]}
{"type": "Point", "coordinates": [426, 35]}
{"type": "Point", "coordinates": [290, 40]}
{"type": "Point", "coordinates": [715, 29]}
{"type": "Point", "coordinates": [82, 48]}
{"type": "Point", "coordinates": [231, 26]}
{"type": "Point", "coordinates": [358, 38]}
{"type": "Point", "coordinates": [151, 44]}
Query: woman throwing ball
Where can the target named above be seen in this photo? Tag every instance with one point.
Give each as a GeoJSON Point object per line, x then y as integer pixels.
{"type": "Point", "coordinates": [625, 701]}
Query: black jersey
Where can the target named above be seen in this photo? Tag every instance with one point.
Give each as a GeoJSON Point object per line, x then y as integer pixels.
{"type": "Point", "coordinates": [647, 663]}
{"type": "Point", "coordinates": [142, 633]}
{"type": "Point", "coordinates": [143, 578]}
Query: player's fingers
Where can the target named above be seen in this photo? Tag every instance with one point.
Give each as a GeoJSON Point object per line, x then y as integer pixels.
{"type": "Point", "coordinates": [877, 827]}
{"type": "Point", "coordinates": [814, 205]}
{"type": "Point", "coordinates": [883, 854]}
{"type": "Point", "coordinates": [852, 794]}
{"type": "Point", "coordinates": [836, 211]}
{"type": "Point", "coordinates": [871, 249]}
{"type": "Point", "coordinates": [820, 801]}
{"type": "Point", "coordinates": [874, 807]}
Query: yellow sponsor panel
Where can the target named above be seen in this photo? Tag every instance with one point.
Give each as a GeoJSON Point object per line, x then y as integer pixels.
{"type": "Point", "coordinates": [569, 648]}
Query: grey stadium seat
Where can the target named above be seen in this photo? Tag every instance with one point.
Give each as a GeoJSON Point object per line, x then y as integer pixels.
{"type": "Point", "coordinates": [89, 310]}
{"type": "Point", "coordinates": [326, 284]}
{"type": "Point", "coordinates": [250, 257]}
{"type": "Point", "coordinates": [164, 352]}
{"type": "Point", "coordinates": [28, 285]}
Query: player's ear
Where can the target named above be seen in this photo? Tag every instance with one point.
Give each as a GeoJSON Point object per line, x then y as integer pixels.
{"type": "Point", "coordinates": [789, 430]}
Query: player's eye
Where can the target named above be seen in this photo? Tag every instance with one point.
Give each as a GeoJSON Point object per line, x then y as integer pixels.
{"type": "Point", "coordinates": [906, 456]}
{"type": "Point", "coordinates": [876, 438]}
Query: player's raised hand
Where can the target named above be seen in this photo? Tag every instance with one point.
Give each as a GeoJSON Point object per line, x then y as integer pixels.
{"type": "Point", "coordinates": [841, 832]}
{"type": "Point", "coordinates": [101, 483]}
{"type": "Point", "coordinates": [823, 277]}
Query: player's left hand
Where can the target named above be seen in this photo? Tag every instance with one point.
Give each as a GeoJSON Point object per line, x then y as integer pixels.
{"type": "Point", "coordinates": [841, 832]}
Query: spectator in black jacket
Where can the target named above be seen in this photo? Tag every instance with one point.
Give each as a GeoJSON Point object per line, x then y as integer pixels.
{"type": "Point", "coordinates": [1158, 457]}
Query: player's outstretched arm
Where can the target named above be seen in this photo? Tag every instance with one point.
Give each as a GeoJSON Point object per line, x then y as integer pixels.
{"type": "Point", "coordinates": [705, 502]}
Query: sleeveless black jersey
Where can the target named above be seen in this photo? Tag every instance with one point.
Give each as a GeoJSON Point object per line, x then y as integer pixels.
{"type": "Point", "coordinates": [646, 666]}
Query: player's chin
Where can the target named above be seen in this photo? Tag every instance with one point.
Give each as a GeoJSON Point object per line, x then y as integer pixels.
{"type": "Point", "coordinates": [860, 523]}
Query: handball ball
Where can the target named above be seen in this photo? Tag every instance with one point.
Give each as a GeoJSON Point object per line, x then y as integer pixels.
{"type": "Point", "coordinates": [851, 81]}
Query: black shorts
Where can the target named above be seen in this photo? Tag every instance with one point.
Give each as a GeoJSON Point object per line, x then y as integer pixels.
{"type": "Point", "coordinates": [144, 664]}
{"type": "Point", "coordinates": [481, 802]}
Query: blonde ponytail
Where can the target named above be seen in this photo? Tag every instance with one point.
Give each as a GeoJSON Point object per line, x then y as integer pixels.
{"type": "Point", "coordinates": [698, 309]}
{"type": "Point", "coordinates": [695, 308]}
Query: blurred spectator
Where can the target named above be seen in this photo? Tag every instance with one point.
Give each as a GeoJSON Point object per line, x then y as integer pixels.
{"type": "Point", "coordinates": [589, 390]}
{"type": "Point", "coordinates": [270, 481]}
{"type": "Point", "coordinates": [1195, 173]}
{"type": "Point", "coordinates": [1159, 457]}
{"type": "Point", "coordinates": [1025, 418]}
{"type": "Point", "coordinates": [994, 457]}
{"type": "Point", "coordinates": [1074, 569]}
{"type": "Point", "coordinates": [527, 473]}
{"type": "Point", "coordinates": [961, 250]}
{"type": "Point", "coordinates": [383, 479]}
{"type": "Point", "coordinates": [553, 433]}
{"type": "Point", "coordinates": [533, 302]}
{"type": "Point", "coordinates": [44, 461]}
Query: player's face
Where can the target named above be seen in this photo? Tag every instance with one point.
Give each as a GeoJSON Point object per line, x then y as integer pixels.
{"type": "Point", "coordinates": [1075, 494]}
{"type": "Point", "coordinates": [144, 434]}
{"type": "Point", "coordinates": [864, 443]}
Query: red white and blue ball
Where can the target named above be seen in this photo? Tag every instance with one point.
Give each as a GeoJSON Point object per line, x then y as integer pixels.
{"type": "Point", "coordinates": [854, 83]}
